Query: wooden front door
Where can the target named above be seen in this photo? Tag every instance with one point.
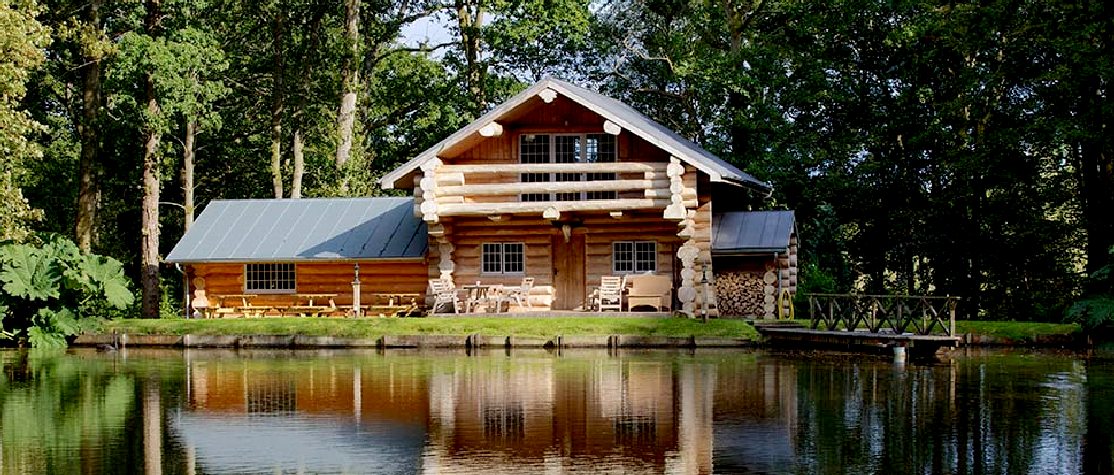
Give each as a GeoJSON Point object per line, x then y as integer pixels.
{"type": "Point", "coordinates": [568, 271]}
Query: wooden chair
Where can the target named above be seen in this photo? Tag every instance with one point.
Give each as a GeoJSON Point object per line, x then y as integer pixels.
{"type": "Point", "coordinates": [610, 294]}
{"type": "Point", "coordinates": [522, 293]}
{"type": "Point", "coordinates": [650, 289]}
{"type": "Point", "coordinates": [444, 292]}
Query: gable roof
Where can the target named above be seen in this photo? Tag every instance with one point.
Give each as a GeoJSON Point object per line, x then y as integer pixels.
{"type": "Point", "coordinates": [621, 114]}
{"type": "Point", "coordinates": [752, 232]}
{"type": "Point", "coordinates": [303, 230]}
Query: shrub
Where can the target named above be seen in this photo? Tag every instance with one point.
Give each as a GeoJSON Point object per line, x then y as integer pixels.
{"type": "Point", "coordinates": [46, 291]}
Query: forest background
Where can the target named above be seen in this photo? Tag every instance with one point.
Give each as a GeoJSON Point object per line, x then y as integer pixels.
{"type": "Point", "coordinates": [957, 148]}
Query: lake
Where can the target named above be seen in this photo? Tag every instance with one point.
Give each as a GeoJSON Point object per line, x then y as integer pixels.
{"type": "Point", "coordinates": [214, 411]}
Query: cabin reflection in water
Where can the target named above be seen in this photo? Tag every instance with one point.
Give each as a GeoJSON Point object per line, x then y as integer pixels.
{"type": "Point", "coordinates": [447, 413]}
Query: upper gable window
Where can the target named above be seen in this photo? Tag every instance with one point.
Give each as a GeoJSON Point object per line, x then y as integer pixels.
{"type": "Point", "coordinates": [567, 148]}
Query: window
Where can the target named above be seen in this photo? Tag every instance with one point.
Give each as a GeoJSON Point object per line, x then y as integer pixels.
{"type": "Point", "coordinates": [534, 148]}
{"type": "Point", "coordinates": [581, 148]}
{"type": "Point", "coordinates": [634, 256]}
{"type": "Point", "coordinates": [269, 278]}
{"type": "Point", "coordinates": [503, 258]}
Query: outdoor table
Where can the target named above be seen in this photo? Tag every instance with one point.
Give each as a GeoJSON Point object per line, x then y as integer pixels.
{"type": "Point", "coordinates": [481, 293]}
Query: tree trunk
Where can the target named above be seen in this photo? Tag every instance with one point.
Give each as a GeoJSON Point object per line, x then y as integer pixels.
{"type": "Point", "coordinates": [305, 90]}
{"type": "Point", "coordinates": [299, 163]}
{"type": "Point", "coordinates": [187, 173]}
{"type": "Point", "coordinates": [350, 80]}
{"type": "Point", "coordinates": [277, 106]}
{"type": "Point", "coordinates": [88, 193]}
{"type": "Point", "coordinates": [149, 255]}
{"type": "Point", "coordinates": [470, 20]}
{"type": "Point", "coordinates": [1096, 156]}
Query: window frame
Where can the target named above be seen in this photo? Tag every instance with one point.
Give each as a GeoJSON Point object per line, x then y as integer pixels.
{"type": "Point", "coordinates": [278, 279]}
{"type": "Point", "coordinates": [582, 150]}
{"type": "Point", "coordinates": [503, 253]}
{"type": "Point", "coordinates": [634, 260]}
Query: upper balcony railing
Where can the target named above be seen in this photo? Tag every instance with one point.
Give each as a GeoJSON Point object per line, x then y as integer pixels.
{"type": "Point", "coordinates": [549, 188]}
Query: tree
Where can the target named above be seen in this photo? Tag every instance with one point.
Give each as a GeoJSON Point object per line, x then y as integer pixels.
{"type": "Point", "coordinates": [23, 38]}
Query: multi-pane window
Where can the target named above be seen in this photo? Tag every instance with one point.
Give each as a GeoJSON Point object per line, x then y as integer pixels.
{"type": "Point", "coordinates": [503, 257]}
{"type": "Point", "coordinates": [269, 278]}
{"type": "Point", "coordinates": [634, 256]}
{"type": "Point", "coordinates": [600, 148]}
{"type": "Point", "coordinates": [580, 148]}
{"type": "Point", "coordinates": [533, 148]}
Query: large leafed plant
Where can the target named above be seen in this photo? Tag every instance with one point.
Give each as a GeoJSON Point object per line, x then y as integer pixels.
{"type": "Point", "coordinates": [45, 291]}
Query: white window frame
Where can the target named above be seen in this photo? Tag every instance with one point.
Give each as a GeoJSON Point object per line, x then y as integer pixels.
{"type": "Point", "coordinates": [553, 177]}
{"type": "Point", "coordinates": [503, 250]}
{"type": "Point", "coordinates": [637, 265]}
{"type": "Point", "coordinates": [276, 269]}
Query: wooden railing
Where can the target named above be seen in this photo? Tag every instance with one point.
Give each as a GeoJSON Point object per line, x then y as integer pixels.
{"type": "Point", "coordinates": [477, 190]}
{"type": "Point", "coordinates": [897, 313]}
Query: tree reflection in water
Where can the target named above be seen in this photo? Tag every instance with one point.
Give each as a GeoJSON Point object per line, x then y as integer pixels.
{"type": "Point", "coordinates": [169, 411]}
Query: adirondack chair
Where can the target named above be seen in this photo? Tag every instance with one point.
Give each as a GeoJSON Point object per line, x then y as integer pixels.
{"type": "Point", "coordinates": [610, 294]}
{"type": "Point", "coordinates": [522, 293]}
{"type": "Point", "coordinates": [444, 293]}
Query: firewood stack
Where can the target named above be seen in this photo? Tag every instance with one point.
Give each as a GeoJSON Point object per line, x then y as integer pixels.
{"type": "Point", "coordinates": [740, 294]}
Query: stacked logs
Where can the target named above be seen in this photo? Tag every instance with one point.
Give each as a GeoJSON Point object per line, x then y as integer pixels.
{"type": "Point", "coordinates": [741, 294]}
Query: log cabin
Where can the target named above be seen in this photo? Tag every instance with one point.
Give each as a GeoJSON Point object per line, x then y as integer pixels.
{"type": "Point", "coordinates": [559, 185]}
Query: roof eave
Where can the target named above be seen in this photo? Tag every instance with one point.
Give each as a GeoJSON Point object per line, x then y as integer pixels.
{"type": "Point", "coordinates": [749, 252]}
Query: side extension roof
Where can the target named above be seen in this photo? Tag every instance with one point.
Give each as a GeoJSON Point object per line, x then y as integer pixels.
{"type": "Point", "coordinates": [269, 230]}
{"type": "Point", "coordinates": [751, 232]}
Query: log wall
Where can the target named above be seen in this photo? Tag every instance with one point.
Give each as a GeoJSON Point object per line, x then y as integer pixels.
{"type": "Point", "coordinates": [382, 277]}
{"type": "Point", "coordinates": [467, 236]}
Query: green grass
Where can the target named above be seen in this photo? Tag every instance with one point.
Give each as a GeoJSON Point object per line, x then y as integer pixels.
{"type": "Point", "coordinates": [376, 327]}
{"type": "Point", "coordinates": [1005, 329]}
{"type": "Point", "coordinates": [1015, 330]}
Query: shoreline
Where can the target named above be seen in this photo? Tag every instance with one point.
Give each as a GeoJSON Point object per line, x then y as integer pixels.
{"type": "Point", "coordinates": [120, 340]}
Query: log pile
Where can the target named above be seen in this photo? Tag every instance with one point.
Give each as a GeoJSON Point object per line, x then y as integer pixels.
{"type": "Point", "coordinates": [741, 294]}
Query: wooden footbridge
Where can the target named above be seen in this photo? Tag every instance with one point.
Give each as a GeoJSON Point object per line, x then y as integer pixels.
{"type": "Point", "coordinates": [920, 324]}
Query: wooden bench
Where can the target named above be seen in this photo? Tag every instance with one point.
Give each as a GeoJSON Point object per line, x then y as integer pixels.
{"type": "Point", "coordinates": [392, 305]}
{"type": "Point", "coordinates": [650, 290]}
{"type": "Point", "coordinates": [304, 305]}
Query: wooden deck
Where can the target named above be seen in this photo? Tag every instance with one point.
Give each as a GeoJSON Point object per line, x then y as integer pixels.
{"type": "Point", "coordinates": [862, 341]}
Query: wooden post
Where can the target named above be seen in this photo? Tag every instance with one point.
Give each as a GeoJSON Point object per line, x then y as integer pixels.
{"type": "Point", "coordinates": [951, 316]}
{"type": "Point", "coordinates": [356, 293]}
{"type": "Point", "coordinates": [687, 293]}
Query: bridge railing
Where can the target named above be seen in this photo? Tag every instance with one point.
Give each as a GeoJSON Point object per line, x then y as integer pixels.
{"type": "Point", "coordinates": [898, 313]}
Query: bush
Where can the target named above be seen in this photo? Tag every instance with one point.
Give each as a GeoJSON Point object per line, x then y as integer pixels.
{"type": "Point", "coordinates": [48, 290]}
{"type": "Point", "coordinates": [1096, 309]}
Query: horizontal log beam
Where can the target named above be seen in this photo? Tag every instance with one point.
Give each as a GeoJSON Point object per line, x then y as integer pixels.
{"type": "Point", "coordinates": [483, 209]}
{"type": "Point", "coordinates": [514, 189]}
{"type": "Point", "coordinates": [611, 167]}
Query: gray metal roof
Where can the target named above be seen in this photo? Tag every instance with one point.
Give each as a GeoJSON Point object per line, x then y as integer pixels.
{"type": "Point", "coordinates": [303, 229]}
{"type": "Point", "coordinates": [751, 232]}
{"type": "Point", "coordinates": [623, 115]}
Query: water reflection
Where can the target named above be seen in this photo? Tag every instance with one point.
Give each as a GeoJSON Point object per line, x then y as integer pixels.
{"type": "Point", "coordinates": [589, 411]}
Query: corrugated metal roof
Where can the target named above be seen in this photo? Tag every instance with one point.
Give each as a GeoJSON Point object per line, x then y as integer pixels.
{"type": "Point", "coordinates": [751, 232]}
{"type": "Point", "coordinates": [303, 229]}
{"type": "Point", "coordinates": [625, 116]}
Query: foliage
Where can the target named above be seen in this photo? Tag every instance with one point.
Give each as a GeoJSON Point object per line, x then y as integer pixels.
{"type": "Point", "coordinates": [22, 37]}
{"type": "Point", "coordinates": [47, 290]}
{"type": "Point", "coordinates": [1096, 309]}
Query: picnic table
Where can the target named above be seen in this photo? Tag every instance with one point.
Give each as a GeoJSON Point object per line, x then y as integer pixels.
{"type": "Point", "coordinates": [310, 305]}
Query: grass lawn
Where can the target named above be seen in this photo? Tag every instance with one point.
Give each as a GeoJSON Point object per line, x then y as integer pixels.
{"type": "Point", "coordinates": [1015, 330]}
{"type": "Point", "coordinates": [376, 327]}
{"type": "Point", "coordinates": [1005, 329]}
